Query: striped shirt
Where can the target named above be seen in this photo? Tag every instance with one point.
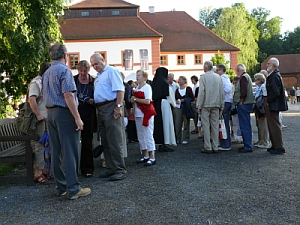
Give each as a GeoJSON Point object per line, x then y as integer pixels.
{"type": "Point", "coordinates": [56, 81]}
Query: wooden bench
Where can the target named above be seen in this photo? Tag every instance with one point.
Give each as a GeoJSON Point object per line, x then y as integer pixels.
{"type": "Point", "coordinates": [15, 147]}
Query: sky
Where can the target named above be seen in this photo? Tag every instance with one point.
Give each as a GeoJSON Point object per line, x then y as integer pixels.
{"type": "Point", "coordinates": [286, 9]}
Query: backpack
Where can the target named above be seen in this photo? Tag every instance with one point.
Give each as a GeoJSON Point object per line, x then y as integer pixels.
{"type": "Point", "coordinates": [26, 122]}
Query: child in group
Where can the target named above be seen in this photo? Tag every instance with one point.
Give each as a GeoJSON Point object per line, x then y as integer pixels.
{"type": "Point", "coordinates": [144, 118]}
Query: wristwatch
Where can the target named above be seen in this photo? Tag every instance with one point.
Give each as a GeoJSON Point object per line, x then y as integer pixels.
{"type": "Point", "coordinates": [119, 105]}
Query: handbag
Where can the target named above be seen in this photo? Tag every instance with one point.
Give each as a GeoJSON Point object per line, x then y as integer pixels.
{"type": "Point", "coordinates": [26, 122]}
{"type": "Point", "coordinates": [222, 128]}
{"type": "Point", "coordinates": [259, 105]}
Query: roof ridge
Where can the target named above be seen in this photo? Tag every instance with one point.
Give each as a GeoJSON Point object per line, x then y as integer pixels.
{"type": "Point", "coordinates": [149, 26]}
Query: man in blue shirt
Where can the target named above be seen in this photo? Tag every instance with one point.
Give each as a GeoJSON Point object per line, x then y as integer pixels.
{"type": "Point", "coordinates": [64, 123]}
{"type": "Point", "coordinates": [108, 97]}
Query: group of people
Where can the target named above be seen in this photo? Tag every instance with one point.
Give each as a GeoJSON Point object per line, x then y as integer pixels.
{"type": "Point", "coordinates": [162, 109]}
{"type": "Point", "coordinates": [295, 95]}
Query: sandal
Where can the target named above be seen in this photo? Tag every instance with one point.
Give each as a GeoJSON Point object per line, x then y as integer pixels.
{"type": "Point", "coordinates": [51, 176]}
{"type": "Point", "coordinates": [41, 179]}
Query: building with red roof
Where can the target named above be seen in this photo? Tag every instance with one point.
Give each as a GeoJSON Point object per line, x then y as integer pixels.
{"type": "Point", "coordinates": [132, 40]}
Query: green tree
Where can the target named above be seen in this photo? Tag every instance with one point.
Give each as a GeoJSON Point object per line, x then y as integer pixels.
{"type": "Point", "coordinates": [209, 16]}
{"type": "Point", "coordinates": [291, 42]}
{"type": "Point", "coordinates": [238, 27]}
{"type": "Point", "coordinates": [270, 40]}
{"type": "Point", "coordinates": [220, 59]}
{"type": "Point", "coordinates": [27, 28]}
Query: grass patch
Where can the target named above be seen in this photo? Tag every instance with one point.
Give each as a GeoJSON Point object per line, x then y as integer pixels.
{"type": "Point", "coordinates": [7, 168]}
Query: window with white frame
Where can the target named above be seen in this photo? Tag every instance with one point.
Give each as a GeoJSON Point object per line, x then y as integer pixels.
{"type": "Point", "coordinates": [144, 59]}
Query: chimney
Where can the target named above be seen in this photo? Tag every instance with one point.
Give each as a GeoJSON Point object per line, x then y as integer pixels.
{"type": "Point", "coordinates": [151, 9]}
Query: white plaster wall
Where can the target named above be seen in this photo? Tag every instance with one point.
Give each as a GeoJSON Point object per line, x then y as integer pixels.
{"type": "Point", "coordinates": [113, 51]}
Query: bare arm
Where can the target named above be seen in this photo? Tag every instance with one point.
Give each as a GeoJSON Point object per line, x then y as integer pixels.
{"type": "Point", "coordinates": [34, 107]}
{"type": "Point", "coordinates": [70, 100]}
{"type": "Point", "coordinates": [118, 110]}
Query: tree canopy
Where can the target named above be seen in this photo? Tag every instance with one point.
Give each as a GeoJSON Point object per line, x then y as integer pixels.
{"type": "Point", "coordinates": [27, 28]}
{"type": "Point", "coordinates": [238, 27]}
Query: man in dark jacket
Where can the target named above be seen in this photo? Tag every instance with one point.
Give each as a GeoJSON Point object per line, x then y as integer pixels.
{"type": "Point", "coordinates": [276, 102]}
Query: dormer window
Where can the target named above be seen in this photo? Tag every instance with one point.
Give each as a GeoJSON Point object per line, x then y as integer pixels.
{"type": "Point", "coordinates": [115, 13]}
{"type": "Point", "coordinates": [85, 14]}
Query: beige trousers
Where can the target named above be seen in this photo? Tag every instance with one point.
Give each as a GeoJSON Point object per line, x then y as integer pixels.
{"type": "Point", "coordinates": [210, 127]}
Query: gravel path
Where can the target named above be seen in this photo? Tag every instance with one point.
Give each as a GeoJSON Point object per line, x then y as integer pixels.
{"type": "Point", "coordinates": [184, 187]}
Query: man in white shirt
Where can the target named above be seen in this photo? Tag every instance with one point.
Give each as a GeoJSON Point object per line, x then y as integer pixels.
{"type": "Point", "coordinates": [225, 144]}
{"type": "Point", "coordinates": [173, 85]}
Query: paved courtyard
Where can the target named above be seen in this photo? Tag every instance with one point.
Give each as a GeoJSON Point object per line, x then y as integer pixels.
{"type": "Point", "coordinates": [184, 187]}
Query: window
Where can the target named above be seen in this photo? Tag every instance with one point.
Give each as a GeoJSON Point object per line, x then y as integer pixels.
{"type": "Point", "coordinates": [115, 13]}
{"type": "Point", "coordinates": [73, 59]}
{"type": "Point", "coordinates": [164, 60]}
{"type": "Point", "coordinates": [103, 53]}
{"type": "Point", "coordinates": [127, 59]}
{"type": "Point", "coordinates": [85, 14]}
{"type": "Point", "coordinates": [180, 59]}
{"type": "Point", "coordinates": [144, 59]}
{"type": "Point", "coordinates": [198, 59]}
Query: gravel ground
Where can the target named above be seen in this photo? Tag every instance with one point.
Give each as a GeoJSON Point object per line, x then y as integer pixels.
{"type": "Point", "coordinates": [184, 187]}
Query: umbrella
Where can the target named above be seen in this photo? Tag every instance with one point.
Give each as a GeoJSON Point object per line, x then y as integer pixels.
{"type": "Point", "coordinates": [44, 140]}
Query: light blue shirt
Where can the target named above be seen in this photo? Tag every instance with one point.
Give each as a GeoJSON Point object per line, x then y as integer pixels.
{"type": "Point", "coordinates": [107, 84]}
{"type": "Point", "coordinates": [260, 90]}
{"type": "Point", "coordinates": [227, 88]}
{"type": "Point", "coordinates": [56, 81]}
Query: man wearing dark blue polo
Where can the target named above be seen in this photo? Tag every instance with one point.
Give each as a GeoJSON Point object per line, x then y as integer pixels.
{"type": "Point", "coordinates": [64, 123]}
{"type": "Point", "coordinates": [108, 97]}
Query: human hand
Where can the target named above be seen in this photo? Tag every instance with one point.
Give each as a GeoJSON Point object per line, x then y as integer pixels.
{"type": "Point", "coordinates": [40, 118]}
{"type": "Point", "coordinates": [117, 112]}
{"type": "Point", "coordinates": [79, 124]}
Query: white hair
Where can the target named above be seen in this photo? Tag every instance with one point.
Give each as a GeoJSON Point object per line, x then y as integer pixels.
{"type": "Point", "coordinates": [171, 74]}
{"type": "Point", "coordinates": [208, 65]}
{"type": "Point", "coordinates": [275, 62]}
{"type": "Point", "coordinates": [241, 67]}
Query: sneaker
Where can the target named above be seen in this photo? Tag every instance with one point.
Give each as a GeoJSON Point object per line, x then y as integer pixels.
{"type": "Point", "coordinates": [263, 146]}
{"type": "Point", "coordinates": [224, 149]}
{"type": "Point", "coordinates": [184, 142]}
{"type": "Point", "coordinates": [283, 126]}
{"type": "Point", "coordinates": [150, 162]}
{"type": "Point", "coordinates": [81, 193]}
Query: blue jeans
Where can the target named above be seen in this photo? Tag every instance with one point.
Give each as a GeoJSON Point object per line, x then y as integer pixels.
{"type": "Point", "coordinates": [226, 143]}
{"type": "Point", "coordinates": [245, 124]}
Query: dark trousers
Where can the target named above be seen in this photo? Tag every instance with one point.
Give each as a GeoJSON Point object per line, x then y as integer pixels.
{"type": "Point", "coordinates": [64, 144]}
{"type": "Point", "coordinates": [274, 126]}
{"type": "Point", "coordinates": [86, 159]}
{"type": "Point", "coordinates": [131, 130]}
{"type": "Point", "coordinates": [112, 134]}
{"type": "Point", "coordinates": [226, 143]}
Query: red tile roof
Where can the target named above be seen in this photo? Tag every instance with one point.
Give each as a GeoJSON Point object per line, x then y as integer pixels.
{"type": "Point", "coordinates": [91, 4]}
{"type": "Point", "coordinates": [288, 64]}
{"type": "Point", "coordinates": [108, 27]}
{"type": "Point", "coordinates": [181, 32]}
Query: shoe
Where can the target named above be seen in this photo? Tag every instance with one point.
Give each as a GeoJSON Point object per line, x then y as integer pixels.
{"type": "Point", "coordinates": [269, 149]}
{"type": "Point", "coordinates": [224, 149]}
{"type": "Point", "coordinates": [184, 142]}
{"type": "Point", "coordinates": [142, 160]}
{"type": "Point", "coordinates": [88, 175]}
{"type": "Point", "coordinates": [194, 132]}
{"type": "Point", "coordinates": [241, 148]}
{"type": "Point", "coordinates": [215, 151]}
{"type": "Point", "coordinates": [61, 194]}
{"type": "Point", "coordinates": [200, 137]}
{"type": "Point", "coordinates": [41, 179]}
{"type": "Point", "coordinates": [283, 126]}
{"type": "Point", "coordinates": [105, 175]}
{"type": "Point", "coordinates": [82, 192]}
{"type": "Point", "coordinates": [245, 150]}
{"type": "Point", "coordinates": [118, 176]}
{"type": "Point", "coordinates": [150, 162]}
{"type": "Point", "coordinates": [263, 146]}
{"type": "Point", "coordinates": [277, 151]}
{"type": "Point", "coordinates": [164, 148]}
{"type": "Point", "coordinates": [206, 151]}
